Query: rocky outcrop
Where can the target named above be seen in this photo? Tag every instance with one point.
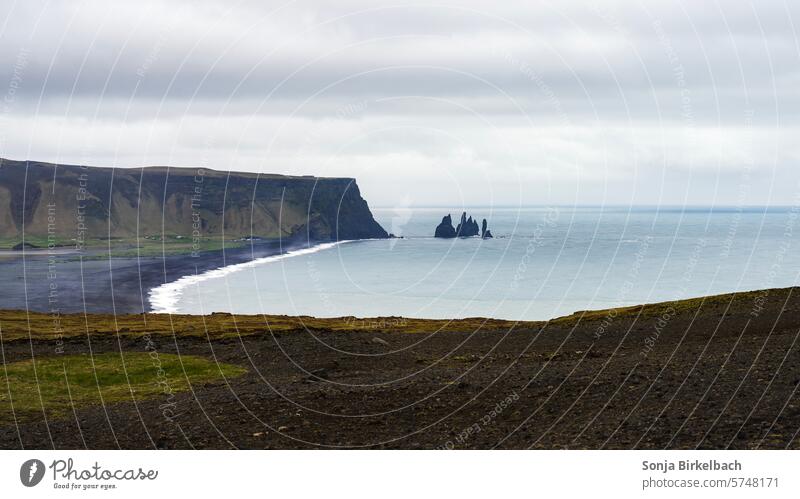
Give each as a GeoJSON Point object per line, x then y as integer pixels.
{"type": "Point", "coordinates": [485, 233]}
{"type": "Point", "coordinates": [445, 229]}
{"type": "Point", "coordinates": [467, 227]}
{"type": "Point", "coordinates": [69, 203]}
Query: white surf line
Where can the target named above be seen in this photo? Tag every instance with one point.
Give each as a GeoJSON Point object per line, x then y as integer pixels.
{"type": "Point", "coordinates": [164, 298]}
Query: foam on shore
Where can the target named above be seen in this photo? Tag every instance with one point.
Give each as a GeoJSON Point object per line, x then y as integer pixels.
{"type": "Point", "coordinates": [164, 299]}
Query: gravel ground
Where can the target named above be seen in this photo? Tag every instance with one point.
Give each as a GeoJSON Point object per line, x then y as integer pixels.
{"type": "Point", "coordinates": [718, 375]}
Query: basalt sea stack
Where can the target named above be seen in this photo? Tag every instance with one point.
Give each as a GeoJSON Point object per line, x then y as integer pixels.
{"type": "Point", "coordinates": [467, 227]}
{"type": "Point", "coordinates": [485, 232]}
{"type": "Point", "coordinates": [445, 229]}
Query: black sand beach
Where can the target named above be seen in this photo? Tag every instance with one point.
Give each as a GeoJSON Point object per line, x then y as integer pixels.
{"type": "Point", "coordinates": [93, 283]}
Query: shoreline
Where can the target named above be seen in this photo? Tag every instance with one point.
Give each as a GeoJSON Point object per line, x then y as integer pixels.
{"type": "Point", "coordinates": [163, 298]}
{"type": "Point", "coordinates": [742, 304]}
{"type": "Point", "coordinates": [153, 285]}
{"type": "Point", "coordinates": [121, 285]}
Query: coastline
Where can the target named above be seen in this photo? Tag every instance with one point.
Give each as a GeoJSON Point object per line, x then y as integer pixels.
{"type": "Point", "coordinates": [164, 298]}
{"type": "Point", "coordinates": [68, 284]}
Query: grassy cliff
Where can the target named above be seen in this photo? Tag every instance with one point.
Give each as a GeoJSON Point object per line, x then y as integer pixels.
{"type": "Point", "coordinates": [73, 205]}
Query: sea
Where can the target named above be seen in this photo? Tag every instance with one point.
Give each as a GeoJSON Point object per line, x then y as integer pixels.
{"type": "Point", "coordinates": [543, 262]}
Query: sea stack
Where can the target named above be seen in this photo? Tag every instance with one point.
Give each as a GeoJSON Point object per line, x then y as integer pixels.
{"type": "Point", "coordinates": [467, 227]}
{"type": "Point", "coordinates": [485, 233]}
{"type": "Point", "coordinates": [445, 229]}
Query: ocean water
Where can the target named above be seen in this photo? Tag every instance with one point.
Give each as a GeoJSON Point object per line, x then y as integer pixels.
{"type": "Point", "coordinates": [544, 262]}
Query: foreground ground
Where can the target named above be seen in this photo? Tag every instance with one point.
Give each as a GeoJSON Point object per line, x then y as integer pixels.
{"type": "Point", "coordinates": [720, 372]}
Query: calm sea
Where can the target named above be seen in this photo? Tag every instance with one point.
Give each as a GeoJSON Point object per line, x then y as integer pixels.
{"type": "Point", "coordinates": [543, 262]}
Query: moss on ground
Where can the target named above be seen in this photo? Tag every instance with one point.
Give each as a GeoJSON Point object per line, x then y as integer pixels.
{"type": "Point", "coordinates": [18, 325]}
{"type": "Point", "coordinates": [56, 385]}
{"type": "Point", "coordinates": [101, 249]}
{"type": "Point", "coordinates": [746, 300]}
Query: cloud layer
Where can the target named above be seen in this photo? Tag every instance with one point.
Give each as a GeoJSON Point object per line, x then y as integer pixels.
{"type": "Point", "coordinates": [547, 102]}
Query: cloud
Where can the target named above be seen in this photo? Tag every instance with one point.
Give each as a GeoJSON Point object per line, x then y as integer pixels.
{"type": "Point", "coordinates": [576, 102]}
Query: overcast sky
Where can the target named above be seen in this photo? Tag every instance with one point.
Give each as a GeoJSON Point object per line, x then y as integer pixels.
{"type": "Point", "coordinates": [452, 102]}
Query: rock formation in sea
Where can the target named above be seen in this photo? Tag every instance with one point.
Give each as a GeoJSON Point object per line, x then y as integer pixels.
{"type": "Point", "coordinates": [467, 227]}
{"type": "Point", "coordinates": [485, 233]}
{"type": "Point", "coordinates": [445, 229]}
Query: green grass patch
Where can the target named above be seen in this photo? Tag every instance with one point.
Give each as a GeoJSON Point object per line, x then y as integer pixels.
{"type": "Point", "coordinates": [737, 303]}
{"type": "Point", "coordinates": [98, 249]}
{"type": "Point", "coordinates": [39, 242]}
{"type": "Point", "coordinates": [158, 247]}
{"type": "Point", "coordinates": [79, 381]}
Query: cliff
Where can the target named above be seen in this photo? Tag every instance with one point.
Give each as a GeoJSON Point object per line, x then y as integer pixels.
{"type": "Point", "coordinates": [79, 203]}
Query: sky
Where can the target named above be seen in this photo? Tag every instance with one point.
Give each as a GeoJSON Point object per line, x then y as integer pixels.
{"type": "Point", "coordinates": [425, 103]}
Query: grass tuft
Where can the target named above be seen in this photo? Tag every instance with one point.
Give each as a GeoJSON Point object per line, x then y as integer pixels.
{"type": "Point", "coordinates": [60, 383]}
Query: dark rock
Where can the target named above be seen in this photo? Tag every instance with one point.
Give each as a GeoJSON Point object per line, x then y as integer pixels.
{"type": "Point", "coordinates": [445, 229]}
{"type": "Point", "coordinates": [23, 246]}
{"type": "Point", "coordinates": [380, 341]}
{"type": "Point", "coordinates": [468, 227]}
{"type": "Point", "coordinates": [317, 375]}
{"type": "Point", "coordinates": [485, 232]}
